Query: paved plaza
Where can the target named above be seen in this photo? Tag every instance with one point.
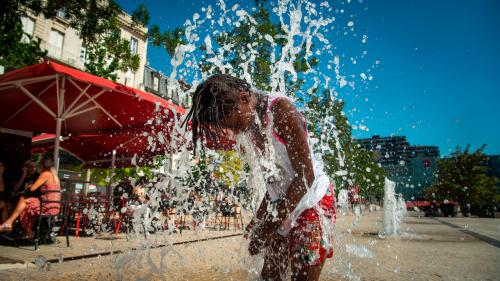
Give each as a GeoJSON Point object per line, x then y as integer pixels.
{"type": "Point", "coordinates": [428, 249]}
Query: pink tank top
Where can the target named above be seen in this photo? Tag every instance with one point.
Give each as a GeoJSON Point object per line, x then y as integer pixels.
{"type": "Point", "coordinates": [51, 201]}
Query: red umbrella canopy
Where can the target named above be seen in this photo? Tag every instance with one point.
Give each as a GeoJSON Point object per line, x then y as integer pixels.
{"type": "Point", "coordinates": [132, 147]}
{"type": "Point", "coordinates": [225, 142]}
{"type": "Point", "coordinates": [34, 97]}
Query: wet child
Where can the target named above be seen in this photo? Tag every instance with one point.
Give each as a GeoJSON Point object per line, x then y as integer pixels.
{"type": "Point", "coordinates": [293, 225]}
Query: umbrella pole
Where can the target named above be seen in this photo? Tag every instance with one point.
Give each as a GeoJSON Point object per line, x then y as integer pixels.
{"type": "Point", "coordinates": [113, 164]}
{"type": "Point", "coordinates": [60, 101]}
{"type": "Point", "coordinates": [87, 182]}
{"type": "Point", "coordinates": [57, 141]}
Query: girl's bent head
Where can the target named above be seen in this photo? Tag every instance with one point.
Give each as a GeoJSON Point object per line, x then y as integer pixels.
{"type": "Point", "coordinates": [222, 101]}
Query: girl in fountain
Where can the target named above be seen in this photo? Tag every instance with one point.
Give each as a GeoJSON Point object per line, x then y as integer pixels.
{"type": "Point", "coordinates": [293, 224]}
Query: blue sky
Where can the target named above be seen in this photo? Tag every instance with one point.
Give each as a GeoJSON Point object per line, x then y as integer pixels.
{"type": "Point", "coordinates": [436, 82]}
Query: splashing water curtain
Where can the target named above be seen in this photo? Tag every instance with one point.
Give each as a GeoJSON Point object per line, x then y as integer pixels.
{"type": "Point", "coordinates": [304, 25]}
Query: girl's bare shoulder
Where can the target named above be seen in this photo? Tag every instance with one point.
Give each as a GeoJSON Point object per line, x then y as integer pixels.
{"type": "Point", "coordinates": [283, 105]}
{"type": "Point", "coordinates": [45, 174]}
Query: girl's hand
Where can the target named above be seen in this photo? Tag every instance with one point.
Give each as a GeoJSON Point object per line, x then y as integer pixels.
{"type": "Point", "coordinates": [256, 245]}
{"type": "Point", "coordinates": [255, 231]}
{"type": "Point", "coordinates": [249, 229]}
{"type": "Point", "coordinates": [269, 228]}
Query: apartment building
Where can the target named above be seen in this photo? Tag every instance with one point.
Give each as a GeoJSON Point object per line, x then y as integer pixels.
{"type": "Point", "coordinates": [412, 167]}
{"type": "Point", "coordinates": [157, 83]}
{"type": "Point", "coordinates": [63, 43]}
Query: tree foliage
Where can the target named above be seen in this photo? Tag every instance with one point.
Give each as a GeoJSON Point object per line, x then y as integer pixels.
{"type": "Point", "coordinates": [346, 161]}
{"type": "Point", "coordinates": [240, 37]}
{"type": "Point", "coordinates": [14, 52]}
{"type": "Point", "coordinates": [199, 177]}
{"type": "Point", "coordinates": [168, 39]}
{"type": "Point", "coordinates": [463, 178]}
{"type": "Point", "coordinates": [366, 173]}
{"type": "Point", "coordinates": [95, 21]}
{"type": "Point", "coordinates": [103, 176]}
{"type": "Point", "coordinates": [141, 15]}
{"type": "Point", "coordinates": [229, 168]}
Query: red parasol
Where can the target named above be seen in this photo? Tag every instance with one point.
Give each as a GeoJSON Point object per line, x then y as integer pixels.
{"type": "Point", "coordinates": [53, 98]}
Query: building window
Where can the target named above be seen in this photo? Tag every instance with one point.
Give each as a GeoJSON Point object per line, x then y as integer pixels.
{"type": "Point", "coordinates": [83, 54]}
{"type": "Point", "coordinates": [156, 83]}
{"type": "Point", "coordinates": [55, 44]}
{"type": "Point", "coordinates": [130, 78]}
{"type": "Point", "coordinates": [28, 28]}
{"type": "Point", "coordinates": [133, 45]}
{"type": "Point", "coordinates": [61, 13]}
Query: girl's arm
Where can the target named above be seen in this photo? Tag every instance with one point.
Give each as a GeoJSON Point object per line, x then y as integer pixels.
{"type": "Point", "coordinates": [261, 213]}
{"type": "Point", "coordinates": [289, 125]}
{"type": "Point", "coordinates": [39, 181]}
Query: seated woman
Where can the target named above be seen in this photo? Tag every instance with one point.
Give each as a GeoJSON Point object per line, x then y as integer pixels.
{"type": "Point", "coordinates": [139, 194]}
{"type": "Point", "coordinates": [138, 197]}
{"type": "Point", "coordinates": [28, 206]}
{"type": "Point", "coordinates": [139, 209]}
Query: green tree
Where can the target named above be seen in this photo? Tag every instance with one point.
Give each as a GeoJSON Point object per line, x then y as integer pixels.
{"type": "Point", "coordinates": [99, 29]}
{"type": "Point", "coordinates": [366, 173]}
{"type": "Point", "coordinates": [95, 21]}
{"type": "Point", "coordinates": [229, 168]}
{"type": "Point", "coordinates": [463, 177]}
{"type": "Point", "coordinates": [104, 176]}
{"type": "Point", "coordinates": [141, 15]}
{"type": "Point", "coordinates": [256, 33]}
{"type": "Point", "coordinates": [168, 39]}
{"type": "Point", "coordinates": [330, 126]}
{"type": "Point", "coordinates": [14, 52]}
{"type": "Point", "coordinates": [240, 37]}
{"type": "Point", "coordinates": [199, 176]}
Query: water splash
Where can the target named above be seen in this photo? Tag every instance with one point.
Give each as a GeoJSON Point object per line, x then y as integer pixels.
{"type": "Point", "coordinates": [394, 209]}
{"type": "Point", "coordinates": [343, 200]}
{"type": "Point", "coordinates": [304, 25]}
{"type": "Point", "coordinates": [42, 263]}
{"type": "Point", "coordinates": [359, 251]}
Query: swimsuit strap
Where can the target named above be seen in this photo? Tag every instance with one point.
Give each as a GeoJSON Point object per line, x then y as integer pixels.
{"type": "Point", "coordinates": [271, 104]}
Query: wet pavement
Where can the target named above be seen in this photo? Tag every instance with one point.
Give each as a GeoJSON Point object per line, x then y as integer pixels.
{"type": "Point", "coordinates": [428, 249]}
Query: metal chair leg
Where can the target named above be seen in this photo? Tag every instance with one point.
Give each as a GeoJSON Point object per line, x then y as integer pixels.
{"type": "Point", "coordinates": [37, 235]}
{"type": "Point", "coordinates": [66, 224]}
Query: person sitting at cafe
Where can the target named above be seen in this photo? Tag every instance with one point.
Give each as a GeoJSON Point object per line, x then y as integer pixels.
{"type": "Point", "coordinates": [28, 206]}
{"type": "Point", "coordinates": [139, 192]}
{"type": "Point", "coordinates": [121, 193]}
{"type": "Point", "coordinates": [225, 209]}
{"type": "Point", "coordinates": [28, 176]}
{"type": "Point", "coordinates": [138, 208]}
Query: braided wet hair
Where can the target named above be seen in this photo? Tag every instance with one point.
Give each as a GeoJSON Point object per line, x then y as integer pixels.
{"type": "Point", "coordinates": [213, 100]}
